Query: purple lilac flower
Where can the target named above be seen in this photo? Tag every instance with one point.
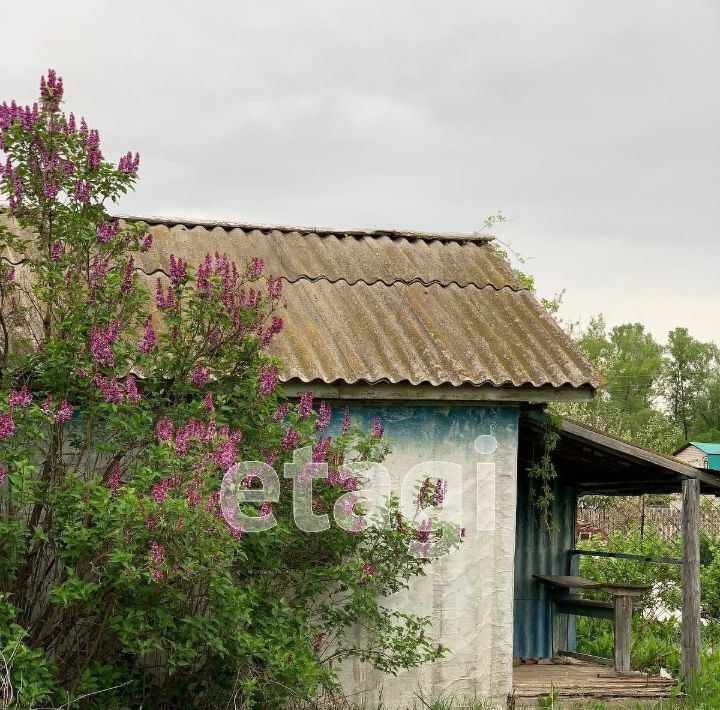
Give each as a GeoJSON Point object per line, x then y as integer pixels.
{"type": "Point", "coordinates": [164, 430]}
{"type": "Point", "coordinates": [323, 417]}
{"type": "Point", "coordinates": [114, 481]}
{"type": "Point", "coordinates": [148, 341]}
{"type": "Point", "coordinates": [64, 412]}
{"type": "Point", "coordinates": [267, 377]}
{"type": "Point", "coordinates": [211, 431]}
{"type": "Point", "coordinates": [305, 406]}
{"type": "Point", "coordinates": [226, 454]}
{"type": "Point", "coordinates": [178, 269]}
{"type": "Point", "coordinates": [423, 533]}
{"type": "Point", "coordinates": [256, 267]}
{"type": "Point", "coordinates": [236, 532]}
{"type": "Point", "coordinates": [181, 441]}
{"type": "Point", "coordinates": [131, 389]}
{"type": "Point", "coordinates": [46, 406]}
{"type": "Point", "coordinates": [249, 299]}
{"type": "Point", "coordinates": [440, 492]}
{"type": "Point", "coordinates": [128, 283]}
{"type": "Point", "coordinates": [146, 242]}
{"type": "Point", "coordinates": [100, 341]}
{"type": "Point", "coordinates": [281, 412]}
{"type": "Point", "coordinates": [160, 491]}
{"type": "Point", "coordinates": [51, 188]}
{"type": "Point", "coordinates": [7, 426]}
{"type": "Point", "coordinates": [274, 287]}
{"type": "Point", "coordinates": [107, 230]}
{"type": "Point", "coordinates": [193, 494]}
{"type": "Point", "coordinates": [2, 475]}
{"type": "Point", "coordinates": [82, 191]}
{"type": "Point", "coordinates": [56, 251]}
{"type": "Point", "coordinates": [51, 90]}
{"type": "Point", "coordinates": [110, 388]}
{"type": "Point", "coordinates": [98, 271]}
{"type": "Point", "coordinates": [320, 450]}
{"type": "Point", "coordinates": [290, 440]}
{"type": "Point", "coordinates": [377, 429]}
{"type": "Point", "coordinates": [128, 164]}
{"type": "Point", "coordinates": [94, 158]}
{"type": "Point", "coordinates": [208, 404]}
{"type": "Point", "coordinates": [275, 327]}
{"type": "Point", "coordinates": [164, 301]}
{"type": "Point", "coordinates": [213, 501]}
{"type": "Point", "coordinates": [201, 375]}
{"type": "Point", "coordinates": [346, 420]}
{"type": "Point", "coordinates": [19, 398]}
{"type": "Point", "coordinates": [158, 553]}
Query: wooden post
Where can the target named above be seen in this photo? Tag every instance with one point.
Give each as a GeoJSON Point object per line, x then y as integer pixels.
{"type": "Point", "coordinates": [623, 632]}
{"type": "Point", "coordinates": [691, 578]}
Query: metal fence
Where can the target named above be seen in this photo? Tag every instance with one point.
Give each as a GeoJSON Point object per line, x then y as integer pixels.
{"type": "Point", "coordinates": [641, 512]}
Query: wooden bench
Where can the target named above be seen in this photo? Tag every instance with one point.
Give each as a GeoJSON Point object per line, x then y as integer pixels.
{"type": "Point", "coordinates": [619, 610]}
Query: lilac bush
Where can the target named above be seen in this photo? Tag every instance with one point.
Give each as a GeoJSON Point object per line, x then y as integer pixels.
{"type": "Point", "coordinates": [122, 404]}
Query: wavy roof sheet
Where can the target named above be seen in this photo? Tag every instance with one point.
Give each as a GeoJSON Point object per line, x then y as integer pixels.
{"type": "Point", "coordinates": [389, 306]}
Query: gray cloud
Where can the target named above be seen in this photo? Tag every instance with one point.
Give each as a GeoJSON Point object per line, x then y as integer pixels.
{"type": "Point", "coordinates": [594, 126]}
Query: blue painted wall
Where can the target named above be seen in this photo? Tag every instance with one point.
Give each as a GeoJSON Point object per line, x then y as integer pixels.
{"type": "Point", "coordinates": [538, 552]}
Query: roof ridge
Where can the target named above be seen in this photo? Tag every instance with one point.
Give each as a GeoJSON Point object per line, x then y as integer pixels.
{"type": "Point", "coordinates": [320, 231]}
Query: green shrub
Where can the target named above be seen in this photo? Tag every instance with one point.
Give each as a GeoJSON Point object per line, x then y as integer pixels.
{"type": "Point", "coordinates": [120, 570]}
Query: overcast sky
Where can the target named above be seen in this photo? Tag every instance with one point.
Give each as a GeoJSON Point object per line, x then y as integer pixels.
{"type": "Point", "coordinates": [593, 126]}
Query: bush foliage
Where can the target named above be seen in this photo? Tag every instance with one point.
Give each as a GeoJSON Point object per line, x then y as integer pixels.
{"type": "Point", "coordinates": [122, 404]}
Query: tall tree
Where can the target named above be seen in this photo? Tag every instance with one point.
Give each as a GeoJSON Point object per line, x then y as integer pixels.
{"type": "Point", "coordinates": [631, 363]}
{"type": "Point", "coordinates": [689, 366]}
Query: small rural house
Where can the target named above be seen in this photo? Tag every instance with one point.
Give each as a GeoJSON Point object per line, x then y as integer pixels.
{"type": "Point", "coordinates": [700, 454]}
{"type": "Point", "coordinates": [435, 334]}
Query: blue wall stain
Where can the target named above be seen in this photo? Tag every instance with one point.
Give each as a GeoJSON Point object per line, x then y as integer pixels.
{"type": "Point", "coordinates": [440, 430]}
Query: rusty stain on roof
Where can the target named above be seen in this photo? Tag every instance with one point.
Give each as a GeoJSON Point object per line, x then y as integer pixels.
{"type": "Point", "coordinates": [377, 306]}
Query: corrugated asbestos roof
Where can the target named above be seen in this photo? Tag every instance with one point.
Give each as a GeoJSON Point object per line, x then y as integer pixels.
{"type": "Point", "coordinates": [389, 306]}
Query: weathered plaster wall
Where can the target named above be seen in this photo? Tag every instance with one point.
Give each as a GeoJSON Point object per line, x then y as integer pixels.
{"type": "Point", "coordinates": [469, 593]}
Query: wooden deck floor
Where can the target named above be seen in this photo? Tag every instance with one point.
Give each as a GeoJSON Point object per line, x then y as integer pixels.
{"type": "Point", "coordinates": [586, 680]}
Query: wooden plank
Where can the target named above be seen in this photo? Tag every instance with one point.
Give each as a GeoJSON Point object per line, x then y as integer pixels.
{"type": "Point", "coordinates": [382, 392]}
{"type": "Point", "coordinates": [691, 579]}
{"type": "Point", "coordinates": [559, 627]}
{"type": "Point", "coordinates": [625, 590]}
{"type": "Point", "coordinates": [623, 631]}
{"type": "Point", "coordinates": [587, 657]}
{"type": "Point", "coordinates": [587, 680]}
{"type": "Point", "coordinates": [566, 581]}
{"type": "Point", "coordinates": [627, 556]}
{"type": "Point", "coordinates": [584, 607]}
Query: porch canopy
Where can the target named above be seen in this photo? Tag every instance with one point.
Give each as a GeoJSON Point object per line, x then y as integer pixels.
{"type": "Point", "coordinates": [591, 462]}
{"type": "Point", "coordinates": [595, 463]}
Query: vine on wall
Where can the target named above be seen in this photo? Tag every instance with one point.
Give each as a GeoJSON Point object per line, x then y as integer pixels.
{"type": "Point", "coordinates": [543, 472]}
